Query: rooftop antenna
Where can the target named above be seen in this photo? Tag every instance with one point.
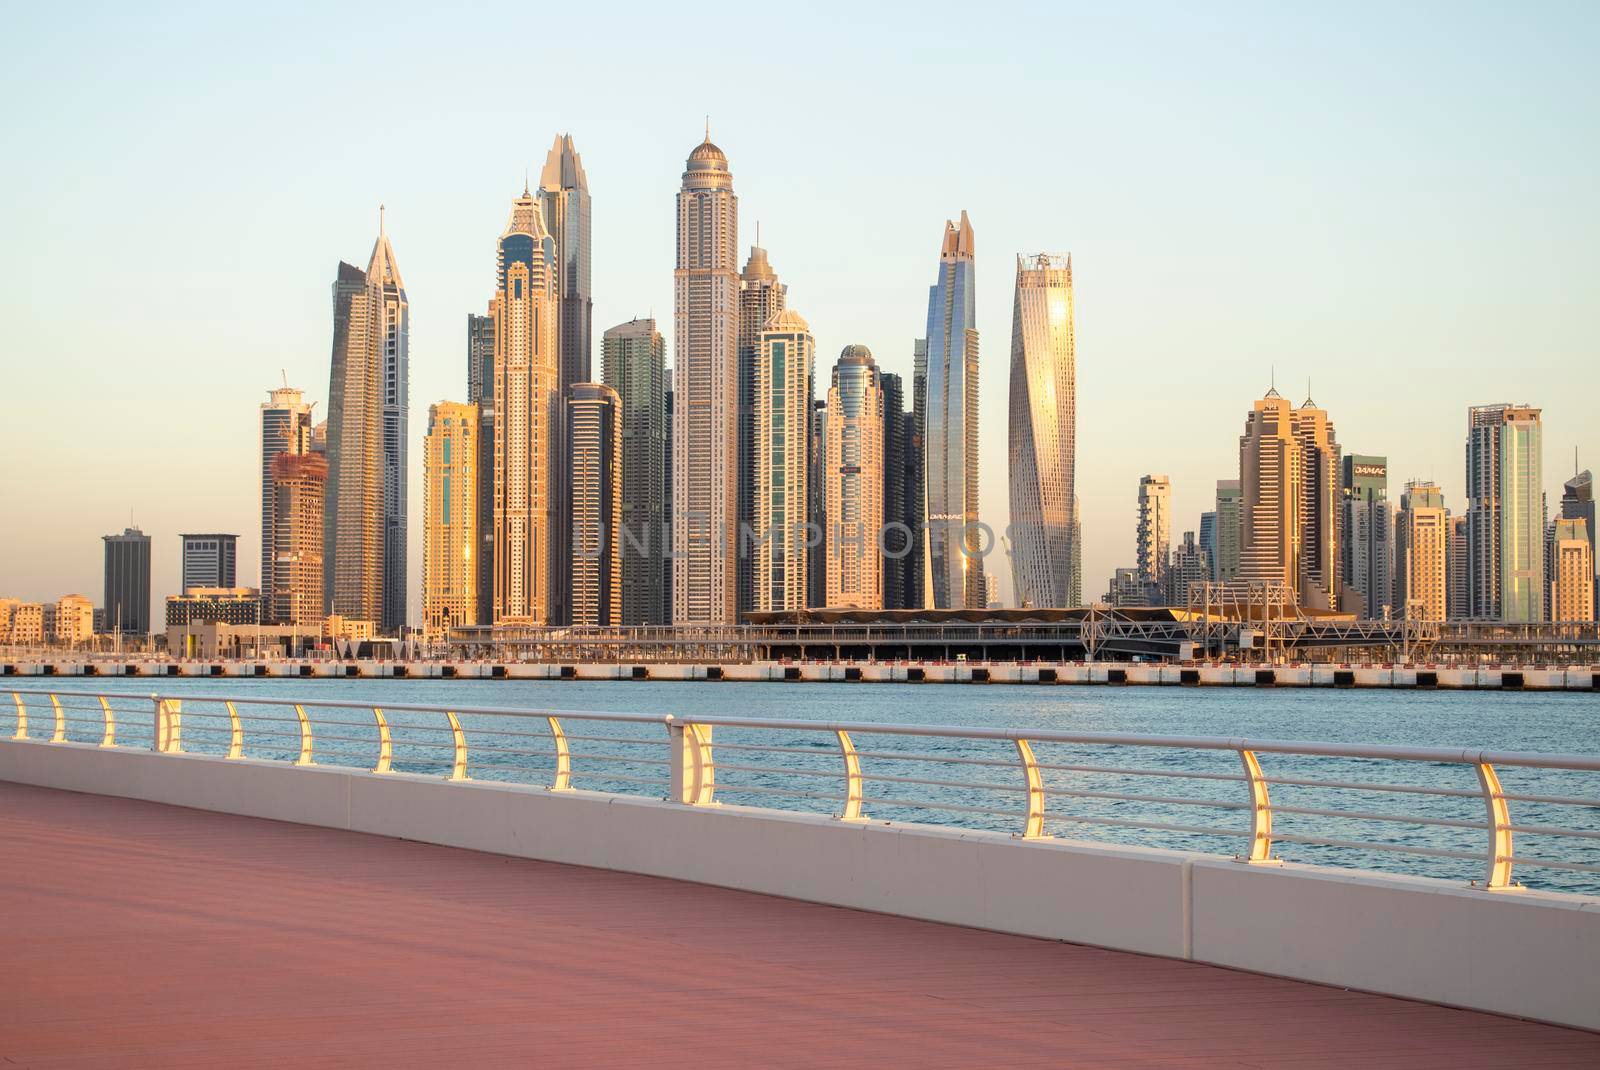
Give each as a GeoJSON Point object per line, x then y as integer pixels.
{"type": "Point", "coordinates": [758, 234]}
{"type": "Point", "coordinates": [380, 219]}
{"type": "Point", "coordinates": [525, 182]}
{"type": "Point", "coordinates": [285, 376]}
{"type": "Point", "coordinates": [708, 127]}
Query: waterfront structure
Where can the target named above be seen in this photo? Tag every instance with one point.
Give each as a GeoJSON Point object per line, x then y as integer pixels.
{"type": "Point", "coordinates": [1365, 536]}
{"type": "Point", "coordinates": [1043, 433]}
{"type": "Point", "coordinates": [1577, 503]}
{"type": "Point", "coordinates": [634, 358]}
{"type": "Point", "coordinates": [74, 620]}
{"type": "Point", "coordinates": [1230, 526]}
{"type": "Point", "coordinates": [896, 530]}
{"type": "Point", "coordinates": [594, 458]}
{"type": "Point", "coordinates": [761, 296]}
{"type": "Point", "coordinates": [1153, 534]}
{"type": "Point", "coordinates": [1318, 582]}
{"type": "Point", "coordinates": [210, 560]}
{"type": "Point", "coordinates": [394, 355]}
{"type": "Point", "coordinates": [783, 450]}
{"type": "Point", "coordinates": [1571, 572]}
{"type": "Point", "coordinates": [951, 427]}
{"type": "Point", "coordinates": [564, 190]}
{"type": "Point", "coordinates": [238, 606]}
{"type": "Point", "coordinates": [1422, 553]}
{"type": "Point", "coordinates": [1505, 513]}
{"type": "Point", "coordinates": [919, 584]}
{"type": "Point", "coordinates": [354, 523]}
{"type": "Point", "coordinates": [480, 392]}
{"type": "Point", "coordinates": [127, 582]}
{"type": "Point", "coordinates": [286, 427]}
{"type": "Point", "coordinates": [529, 430]}
{"type": "Point", "coordinates": [1459, 595]}
{"type": "Point", "coordinates": [852, 478]}
{"type": "Point", "coordinates": [706, 383]}
{"type": "Point", "coordinates": [1190, 565]}
{"type": "Point", "coordinates": [450, 482]}
{"type": "Point", "coordinates": [1270, 474]}
{"type": "Point", "coordinates": [294, 595]}
{"type": "Point", "coordinates": [21, 623]}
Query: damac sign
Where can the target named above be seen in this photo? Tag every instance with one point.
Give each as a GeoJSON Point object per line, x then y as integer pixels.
{"type": "Point", "coordinates": [1372, 470]}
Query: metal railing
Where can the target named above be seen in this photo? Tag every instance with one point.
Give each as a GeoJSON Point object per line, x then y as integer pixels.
{"type": "Point", "coordinates": [1259, 796]}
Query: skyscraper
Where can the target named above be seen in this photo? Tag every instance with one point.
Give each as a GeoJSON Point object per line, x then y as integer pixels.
{"type": "Point", "coordinates": [1505, 514]}
{"type": "Point", "coordinates": [127, 589]}
{"type": "Point", "coordinates": [286, 427]}
{"type": "Point", "coordinates": [293, 595]}
{"type": "Point", "coordinates": [353, 522]}
{"type": "Point", "coordinates": [594, 442]}
{"type": "Point", "coordinates": [394, 341]}
{"type": "Point", "coordinates": [896, 527]}
{"type": "Point", "coordinates": [1365, 534]}
{"type": "Point", "coordinates": [816, 519]}
{"type": "Point", "coordinates": [480, 392]}
{"type": "Point", "coordinates": [1207, 541]}
{"type": "Point", "coordinates": [1572, 572]}
{"type": "Point", "coordinates": [952, 424]}
{"type": "Point", "coordinates": [783, 469]}
{"type": "Point", "coordinates": [919, 590]}
{"type": "Point", "coordinates": [1043, 433]}
{"type": "Point", "coordinates": [1577, 503]}
{"type": "Point", "coordinates": [635, 367]}
{"type": "Point", "coordinates": [761, 296]}
{"type": "Point", "coordinates": [1189, 566]}
{"type": "Point", "coordinates": [1153, 534]}
{"type": "Point", "coordinates": [529, 439]}
{"type": "Point", "coordinates": [1422, 559]}
{"type": "Point", "coordinates": [667, 563]}
{"type": "Point", "coordinates": [450, 518]}
{"type": "Point", "coordinates": [1318, 581]}
{"type": "Point", "coordinates": [706, 386]}
{"type": "Point", "coordinates": [564, 190]}
{"type": "Point", "coordinates": [1457, 571]}
{"type": "Point", "coordinates": [210, 561]}
{"type": "Point", "coordinates": [1270, 474]}
{"type": "Point", "coordinates": [1230, 526]}
{"type": "Point", "coordinates": [852, 490]}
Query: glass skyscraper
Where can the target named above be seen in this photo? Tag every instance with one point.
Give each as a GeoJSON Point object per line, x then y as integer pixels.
{"type": "Point", "coordinates": [1505, 514]}
{"type": "Point", "coordinates": [635, 367]}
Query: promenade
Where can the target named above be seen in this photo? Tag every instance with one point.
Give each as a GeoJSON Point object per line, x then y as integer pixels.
{"type": "Point", "coordinates": [136, 934]}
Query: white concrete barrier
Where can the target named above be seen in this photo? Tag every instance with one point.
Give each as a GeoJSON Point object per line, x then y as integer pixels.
{"type": "Point", "coordinates": [1515, 952]}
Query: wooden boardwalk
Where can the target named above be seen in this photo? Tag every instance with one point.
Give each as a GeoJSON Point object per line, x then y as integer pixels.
{"type": "Point", "coordinates": [133, 934]}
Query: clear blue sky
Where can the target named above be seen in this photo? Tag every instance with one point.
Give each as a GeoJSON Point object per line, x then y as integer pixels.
{"type": "Point", "coordinates": [1397, 201]}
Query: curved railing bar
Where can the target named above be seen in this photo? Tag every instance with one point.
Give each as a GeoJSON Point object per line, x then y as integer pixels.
{"type": "Point", "coordinates": [385, 743]}
{"type": "Point", "coordinates": [169, 725]}
{"type": "Point", "coordinates": [59, 735]}
{"type": "Point", "coordinates": [1498, 872]}
{"type": "Point", "coordinates": [458, 767]}
{"type": "Point", "coordinates": [22, 716]}
{"type": "Point", "coordinates": [235, 733]}
{"type": "Point", "coordinates": [306, 743]}
{"type": "Point", "coordinates": [1260, 810]}
{"type": "Point", "coordinates": [562, 780]}
{"type": "Point", "coordinates": [110, 737]}
{"type": "Point", "coordinates": [853, 793]}
{"type": "Point", "coordinates": [1033, 824]}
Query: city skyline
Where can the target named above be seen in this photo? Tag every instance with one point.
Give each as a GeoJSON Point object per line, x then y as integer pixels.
{"type": "Point", "coordinates": [1553, 367]}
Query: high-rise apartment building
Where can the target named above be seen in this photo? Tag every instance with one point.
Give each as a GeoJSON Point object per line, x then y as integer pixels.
{"type": "Point", "coordinates": [852, 477]}
{"type": "Point", "coordinates": [1422, 554]}
{"type": "Point", "coordinates": [127, 582]}
{"type": "Point", "coordinates": [816, 531]}
{"type": "Point", "coordinates": [210, 560]}
{"type": "Point", "coordinates": [1505, 513]}
{"type": "Point", "coordinates": [1270, 475]}
{"type": "Point", "coordinates": [354, 521]}
{"type": "Point", "coordinates": [783, 413]}
{"type": "Point", "coordinates": [1190, 565]}
{"type": "Point", "coordinates": [761, 296]}
{"type": "Point", "coordinates": [666, 508]}
{"type": "Point", "coordinates": [635, 367]}
{"type": "Point", "coordinates": [705, 438]}
{"type": "Point", "coordinates": [1230, 527]}
{"type": "Point", "coordinates": [286, 427]}
{"type": "Point", "coordinates": [394, 345]}
{"type": "Point", "coordinates": [1043, 433]}
{"type": "Point", "coordinates": [594, 445]}
{"type": "Point", "coordinates": [1319, 578]}
{"type": "Point", "coordinates": [897, 528]}
{"type": "Point", "coordinates": [1571, 572]}
{"type": "Point", "coordinates": [1153, 534]}
{"type": "Point", "coordinates": [1577, 503]}
{"type": "Point", "coordinates": [529, 436]}
{"type": "Point", "coordinates": [919, 587]}
{"type": "Point", "coordinates": [1365, 536]}
{"type": "Point", "coordinates": [1207, 541]}
{"type": "Point", "coordinates": [294, 595]}
{"type": "Point", "coordinates": [951, 427]}
{"type": "Point", "coordinates": [564, 190]}
{"type": "Point", "coordinates": [1457, 567]}
{"type": "Point", "coordinates": [480, 392]}
{"type": "Point", "coordinates": [450, 518]}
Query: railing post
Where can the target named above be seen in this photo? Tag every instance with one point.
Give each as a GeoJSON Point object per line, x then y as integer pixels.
{"type": "Point", "coordinates": [1260, 810]}
{"type": "Point", "coordinates": [169, 724]}
{"type": "Point", "coordinates": [305, 736]}
{"type": "Point", "coordinates": [694, 770]}
{"type": "Point", "coordinates": [158, 726]}
{"type": "Point", "coordinates": [22, 717]}
{"type": "Point", "coordinates": [385, 743]}
{"type": "Point", "coordinates": [1033, 824]}
{"type": "Point", "coordinates": [458, 766]}
{"type": "Point", "coordinates": [60, 733]}
{"type": "Point", "coordinates": [1498, 874]}
{"type": "Point", "coordinates": [562, 781]}
{"type": "Point", "coordinates": [852, 778]}
{"type": "Point", "coordinates": [235, 733]}
{"type": "Point", "coordinates": [110, 737]}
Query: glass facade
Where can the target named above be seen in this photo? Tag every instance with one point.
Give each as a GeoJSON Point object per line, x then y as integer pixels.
{"type": "Point", "coordinates": [951, 445]}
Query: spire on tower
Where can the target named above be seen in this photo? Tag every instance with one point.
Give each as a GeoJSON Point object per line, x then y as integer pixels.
{"type": "Point", "coordinates": [380, 220]}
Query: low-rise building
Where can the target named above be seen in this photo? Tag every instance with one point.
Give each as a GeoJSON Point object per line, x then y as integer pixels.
{"type": "Point", "coordinates": [74, 620]}
{"type": "Point", "coordinates": [227, 605]}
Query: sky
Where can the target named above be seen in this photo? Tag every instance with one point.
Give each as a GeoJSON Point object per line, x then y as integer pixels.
{"type": "Point", "coordinates": [1393, 203]}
